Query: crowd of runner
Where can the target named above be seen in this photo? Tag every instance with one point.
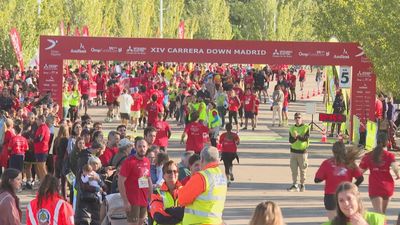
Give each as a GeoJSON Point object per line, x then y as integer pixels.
{"type": "Point", "coordinates": [212, 103]}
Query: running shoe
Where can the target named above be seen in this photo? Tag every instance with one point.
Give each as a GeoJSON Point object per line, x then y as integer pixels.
{"type": "Point", "coordinates": [293, 188]}
{"type": "Point", "coordinates": [302, 187]}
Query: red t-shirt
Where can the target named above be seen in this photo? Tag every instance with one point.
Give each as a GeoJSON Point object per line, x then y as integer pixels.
{"type": "Point", "coordinates": [133, 169]}
{"type": "Point", "coordinates": [378, 109]}
{"type": "Point", "coordinates": [116, 91]}
{"type": "Point", "coordinates": [249, 102]}
{"type": "Point", "coordinates": [101, 83]}
{"type": "Point", "coordinates": [249, 79]}
{"type": "Point", "coordinates": [380, 180]}
{"type": "Point", "coordinates": [153, 108]}
{"type": "Point", "coordinates": [84, 86]}
{"type": "Point", "coordinates": [137, 102]}
{"type": "Point", "coordinates": [162, 133]}
{"type": "Point", "coordinates": [293, 80]}
{"type": "Point", "coordinates": [196, 133]}
{"type": "Point", "coordinates": [233, 103]}
{"type": "Point", "coordinates": [145, 98]}
{"type": "Point", "coordinates": [110, 95]}
{"type": "Point", "coordinates": [134, 81]}
{"type": "Point", "coordinates": [239, 92]}
{"type": "Point", "coordinates": [228, 145]}
{"type": "Point", "coordinates": [334, 174]}
{"type": "Point", "coordinates": [285, 98]}
{"type": "Point", "coordinates": [42, 146]}
{"type": "Point", "coordinates": [302, 74]}
{"type": "Point", "coordinates": [19, 145]}
{"type": "Point", "coordinates": [107, 155]}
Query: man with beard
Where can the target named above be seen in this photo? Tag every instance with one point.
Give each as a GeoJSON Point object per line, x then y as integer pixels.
{"type": "Point", "coordinates": [135, 195]}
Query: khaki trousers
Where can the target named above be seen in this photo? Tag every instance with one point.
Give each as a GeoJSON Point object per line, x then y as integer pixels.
{"type": "Point", "coordinates": [298, 161]}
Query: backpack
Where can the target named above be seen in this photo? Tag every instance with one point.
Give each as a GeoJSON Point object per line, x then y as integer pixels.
{"type": "Point", "coordinates": [115, 210]}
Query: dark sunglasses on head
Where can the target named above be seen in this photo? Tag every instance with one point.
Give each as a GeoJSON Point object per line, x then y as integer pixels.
{"type": "Point", "coordinates": [171, 171]}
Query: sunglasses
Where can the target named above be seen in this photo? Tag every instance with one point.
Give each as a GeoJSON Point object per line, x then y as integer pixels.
{"type": "Point", "coordinates": [297, 117]}
{"type": "Point", "coordinates": [172, 171]}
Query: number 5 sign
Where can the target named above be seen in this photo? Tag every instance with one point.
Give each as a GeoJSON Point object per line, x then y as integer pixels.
{"type": "Point", "coordinates": [345, 77]}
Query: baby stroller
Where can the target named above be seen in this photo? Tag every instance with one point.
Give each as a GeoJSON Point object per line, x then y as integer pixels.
{"type": "Point", "coordinates": [115, 211]}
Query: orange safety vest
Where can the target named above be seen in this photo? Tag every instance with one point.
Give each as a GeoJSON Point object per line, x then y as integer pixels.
{"type": "Point", "coordinates": [54, 211]}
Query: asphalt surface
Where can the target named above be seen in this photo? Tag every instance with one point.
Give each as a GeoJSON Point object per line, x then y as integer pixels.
{"type": "Point", "coordinates": [263, 172]}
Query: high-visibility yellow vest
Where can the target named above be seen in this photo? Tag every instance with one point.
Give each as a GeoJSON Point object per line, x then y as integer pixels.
{"type": "Point", "coordinates": [208, 207]}
{"type": "Point", "coordinates": [301, 130]}
{"type": "Point", "coordinates": [75, 98]}
{"type": "Point", "coordinates": [168, 201]}
{"type": "Point", "coordinates": [371, 218]}
{"type": "Point", "coordinates": [65, 99]}
{"type": "Point", "coordinates": [213, 121]}
{"type": "Point", "coordinates": [203, 112]}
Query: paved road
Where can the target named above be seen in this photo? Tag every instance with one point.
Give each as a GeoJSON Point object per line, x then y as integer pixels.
{"type": "Point", "coordinates": [263, 172]}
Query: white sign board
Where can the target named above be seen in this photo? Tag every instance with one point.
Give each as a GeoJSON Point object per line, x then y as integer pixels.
{"type": "Point", "coordinates": [311, 108]}
{"type": "Point", "coordinates": [345, 77]}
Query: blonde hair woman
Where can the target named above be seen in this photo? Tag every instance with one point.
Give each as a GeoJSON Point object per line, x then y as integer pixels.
{"type": "Point", "coordinates": [267, 213]}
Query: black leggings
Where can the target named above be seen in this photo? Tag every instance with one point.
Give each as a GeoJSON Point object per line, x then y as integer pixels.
{"type": "Point", "coordinates": [233, 114]}
{"type": "Point", "coordinates": [228, 158]}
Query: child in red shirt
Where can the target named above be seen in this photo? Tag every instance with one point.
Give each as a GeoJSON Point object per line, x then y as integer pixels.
{"type": "Point", "coordinates": [17, 147]}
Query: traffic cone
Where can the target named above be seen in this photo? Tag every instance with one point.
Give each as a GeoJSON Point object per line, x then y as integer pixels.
{"type": "Point", "coordinates": [302, 95]}
{"type": "Point", "coordinates": [313, 92]}
{"type": "Point", "coordinates": [308, 94]}
{"type": "Point", "coordinates": [324, 138]}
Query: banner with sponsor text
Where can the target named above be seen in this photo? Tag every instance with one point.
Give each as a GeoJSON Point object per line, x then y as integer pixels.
{"type": "Point", "coordinates": [16, 43]}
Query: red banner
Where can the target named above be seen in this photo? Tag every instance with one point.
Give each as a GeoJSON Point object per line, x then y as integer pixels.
{"type": "Point", "coordinates": [181, 30]}
{"type": "Point", "coordinates": [16, 42]}
{"type": "Point", "coordinates": [58, 48]}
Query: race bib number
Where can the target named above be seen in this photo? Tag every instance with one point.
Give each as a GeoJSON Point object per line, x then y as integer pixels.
{"type": "Point", "coordinates": [143, 182]}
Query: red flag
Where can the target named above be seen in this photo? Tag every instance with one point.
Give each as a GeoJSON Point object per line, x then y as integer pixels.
{"type": "Point", "coordinates": [181, 30]}
{"type": "Point", "coordinates": [85, 31]}
{"type": "Point", "coordinates": [77, 32]}
{"type": "Point", "coordinates": [16, 42]}
{"type": "Point", "coordinates": [62, 28]}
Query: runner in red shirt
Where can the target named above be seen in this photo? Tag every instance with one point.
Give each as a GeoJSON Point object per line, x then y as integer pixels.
{"type": "Point", "coordinates": [163, 133]}
{"type": "Point", "coordinates": [8, 135]}
{"type": "Point", "coordinates": [302, 77]}
{"type": "Point", "coordinates": [110, 99]}
{"type": "Point", "coordinates": [135, 108]}
{"type": "Point", "coordinates": [41, 146]}
{"type": "Point", "coordinates": [380, 182]}
{"type": "Point", "coordinates": [249, 80]}
{"type": "Point", "coordinates": [17, 146]}
{"type": "Point", "coordinates": [335, 170]}
{"type": "Point", "coordinates": [249, 104]}
{"type": "Point", "coordinates": [84, 87]}
{"type": "Point", "coordinates": [152, 110]}
{"type": "Point", "coordinates": [292, 85]}
{"type": "Point", "coordinates": [240, 93]}
{"type": "Point", "coordinates": [100, 88]}
{"type": "Point", "coordinates": [146, 98]}
{"type": "Point", "coordinates": [196, 134]}
{"type": "Point", "coordinates": [234, 104]}
{"type": "Point", "coordinates": [229, 142]}
{"type": "Point", "coordinates": [134, 183]}
{"type": "Point", "coordinates": [285, 105]}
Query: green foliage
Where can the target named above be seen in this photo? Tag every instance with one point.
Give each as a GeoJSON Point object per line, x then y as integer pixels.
{"type": "Point", "coordinates": [372, 23]}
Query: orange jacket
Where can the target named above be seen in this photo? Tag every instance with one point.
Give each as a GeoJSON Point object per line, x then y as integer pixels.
{"type": "Point", "coordinates": [159, 213]}
{"type": "Point", "coordinates": [194, 187]}
{"type": "Point", "coordinates": [53, 211]}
